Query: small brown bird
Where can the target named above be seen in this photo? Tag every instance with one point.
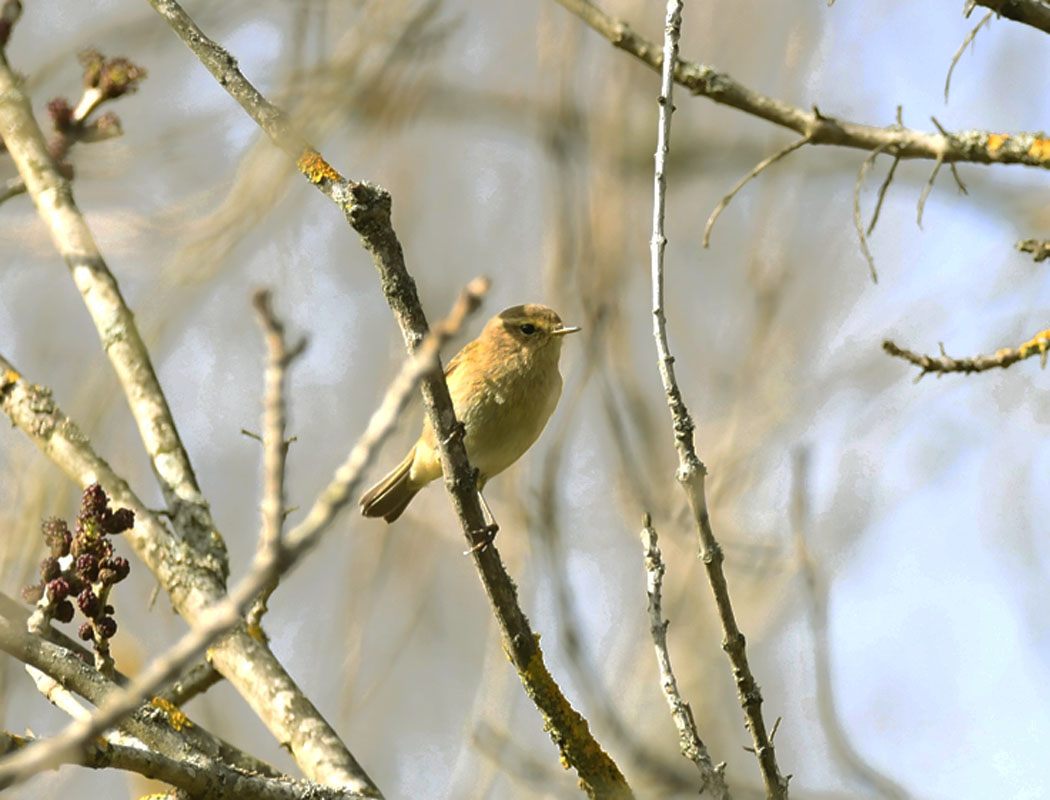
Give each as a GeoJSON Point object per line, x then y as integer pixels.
{"type": "Point", "coordinates": [504, 386]}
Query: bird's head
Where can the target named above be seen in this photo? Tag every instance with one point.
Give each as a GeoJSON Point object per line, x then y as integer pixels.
{"type": "Point", "coordinates": [529, 328]}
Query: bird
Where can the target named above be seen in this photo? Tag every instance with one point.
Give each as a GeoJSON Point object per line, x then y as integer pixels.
{"type": "Point", "coordinates": [504, 386]}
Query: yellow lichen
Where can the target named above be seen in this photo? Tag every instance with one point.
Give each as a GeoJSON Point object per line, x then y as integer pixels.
{"type": "Point", "coordinates": [176, 718]}
{"type": "Point", "coordinates": [315, 168]}
{"type": "Point", "coordinates": [1040, 343]}
{"type": "Point", "coordinates": [599, 775]}
{"type": "Point", "coordinates": [10, 376]}
{"type": "Point", "coordinates": [996, 141]}
{"type": "Point", "coordinates": [1040, 149]}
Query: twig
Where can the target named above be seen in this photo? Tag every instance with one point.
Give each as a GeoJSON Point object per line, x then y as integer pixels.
{"type": "Point", "coordinates": [883, 188]}
{"type": "Point", "coordinates": [1001, 359]}
{"type": "Point", "coordinates": [275, 446]}
{"type": "Point", "coordinates": [243, 660]}
{"type": "Point", "coordinates": [691, 471]}
{"type": "Point", "coordinates": [926, 191]}
{"type": "Point", "coordinates": [216, 780]}
{"type": "Point", "coordinates": [978, 147]}
{"type": "Point", "coordinates": [1039, 248]}
{"type": "Point", "coordinates": [962, 49]}
{"type": "Point", "coordinates": [275, 558]}
{"type": "Point", "coordinates": [1028, 12]}
{"type": "Point", "coordinates": [858, 223]}
{"type": "Point", "coordinates": [152, 725]}
{"type": "Point", "coordinates": [817, 597]}
{"type": "Point", "coordinates": [367, 209]}
{"type": "Point", "coordinates": [754, 173]}
{"type": "Point", "coordinates": [712, 777]}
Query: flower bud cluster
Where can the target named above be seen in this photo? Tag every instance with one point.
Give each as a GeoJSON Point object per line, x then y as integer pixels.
{"type": "Point", "coordinates": [81, 568]}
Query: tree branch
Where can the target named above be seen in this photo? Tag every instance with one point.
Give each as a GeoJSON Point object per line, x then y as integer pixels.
{"type": "Point", "coordinates": [246, 662]}
{"type": "Point", "coordinates": [691, 471]}
{"type": "Point", "coordinates": [1038, 345]}
{"type": "Point", "coordinates": [712, 777]}
{"type": "Point", "coordinates": [367, 209]}
{"type": "Point", "coordinates": [217, 780]}
{"type": "Point", "coordinates": [1027, 12]}
{"type": "Point", "coordinates": [979, 147]}
{"type": "Point", "coordinates": [275, 446]}
{"type": "Point", "coordinates": [53, 196]}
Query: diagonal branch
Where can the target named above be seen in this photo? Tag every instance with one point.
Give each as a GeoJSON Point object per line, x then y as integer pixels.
{"type": "Point", "coordinates": [208, 775]}
{"type": "Point", "coordinates": [367, 209]}
{"type": "Point", "coordinates": [712, 777]}
{"type": "Point", "coordinates": [216, 780]}
{"type": "Point", "coordinates": [243, 660]}
{"type": "Point", "coordinates": [979, 147]}
{"type": "Point", "coordinates": [1038, 345]}
{"type": "Point", "coordinates": [275, 557]}
{"type": "Point", "coordinates": [1028, 12]}
{"type": "Point", "coordinates": [53, 196]}
{"type": "Point", "coordinates": [691, 471]}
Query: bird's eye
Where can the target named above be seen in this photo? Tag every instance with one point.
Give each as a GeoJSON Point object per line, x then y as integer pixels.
{"type": "Point", "coordinates": [528, 329]}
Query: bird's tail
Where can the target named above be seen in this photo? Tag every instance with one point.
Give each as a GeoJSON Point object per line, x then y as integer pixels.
{"type": "Point", "coordinates": [390, 497]}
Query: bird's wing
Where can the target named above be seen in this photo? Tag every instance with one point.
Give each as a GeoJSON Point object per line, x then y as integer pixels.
{"type": "Point", "coordinates": [459, 358]}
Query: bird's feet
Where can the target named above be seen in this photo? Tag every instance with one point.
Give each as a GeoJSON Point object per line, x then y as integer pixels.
{"type": "Point", "coordinates": [482, 539]}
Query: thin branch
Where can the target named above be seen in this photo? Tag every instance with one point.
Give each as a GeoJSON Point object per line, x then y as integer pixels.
{"type": "Point", "coordinates": [1038, 345]}
{"type": "Point", "coordinates": [367, 209]}
{"type": "Point", "coordinates": [1039, 248]}
{"type": "Point", "coordinates": [1028, 12]}
{"type": "Point", "coordinates": [275, 446]}
{"type": "Point", "coordinates": [712, 777]}
{"type": "Point", "coordinates": [925, 193]}
{"type": "Point", "coordinates": [153, 725]}
{"type": "Point", "coordinates": [978, 147]}
{"type": "Point", "coordinates": [691, 471]}
{"type": "Point", "coordinates": [53, 196]}
{"type": "Point", "coordinates": [275, 558]}
{"type": "Point", "coordinates": [858, 223]}
{"type": "Point", "coordinates": [962, 49]}
{"type": "Point", "coordinates": [242, 659]}
{"type": "Point", "coordinates": [218, 780]}
{"type": "Point", "coordinates": [817, 598]}
{"type": "Point", "coordinates": [883, 188]}
{"type": "Point", "coordinates": [754, 173]}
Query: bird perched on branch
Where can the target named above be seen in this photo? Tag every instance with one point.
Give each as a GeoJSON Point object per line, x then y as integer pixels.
{"type": "Point", "coordinates": [504, 387]}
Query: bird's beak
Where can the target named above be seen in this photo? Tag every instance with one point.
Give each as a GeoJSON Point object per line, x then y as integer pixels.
{"type": "Point", "coordinates": [564, 329]}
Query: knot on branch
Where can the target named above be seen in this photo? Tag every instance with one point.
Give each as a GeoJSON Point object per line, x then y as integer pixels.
{"type": "Point", "coordinates": [369, 209]}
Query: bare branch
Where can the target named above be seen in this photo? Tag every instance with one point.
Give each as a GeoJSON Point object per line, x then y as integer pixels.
{"type": "Point", "coordinates": [979, 147]}
{"type": "Point", "coordinates": [367, 209]}
{"type": "Point", "coordinates": [53, 196]}
{"type": "Point", "coordinates": [754, 173]}
{"type": "Point", "coordinates": [926, 190]}
{"type": "Point", "coordinates": [274, 558]}
{"type": "Point", "coordinates": [1027, 12]}
{"type": "Point", "coordinates": [242, 659]}
{"type": "Point", "coordinates": [275, 445]}
{"type": "Point", "coordinates": [858, 223]}
{"type": "Point", "coordinates": [691, 471]}
{"type": "Point", "coordinates": [712, 777]}
{"type": "Point", "coordinates": [1038, 345]}
{"type": "Point", "coordinates": [883, 188]}
{"type": "Point", "coordinates": [962, 49]}
{"type": "Point", "coordinates": [215, 780]}
{"type": "Point", "coordinates": [1039, 248]}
